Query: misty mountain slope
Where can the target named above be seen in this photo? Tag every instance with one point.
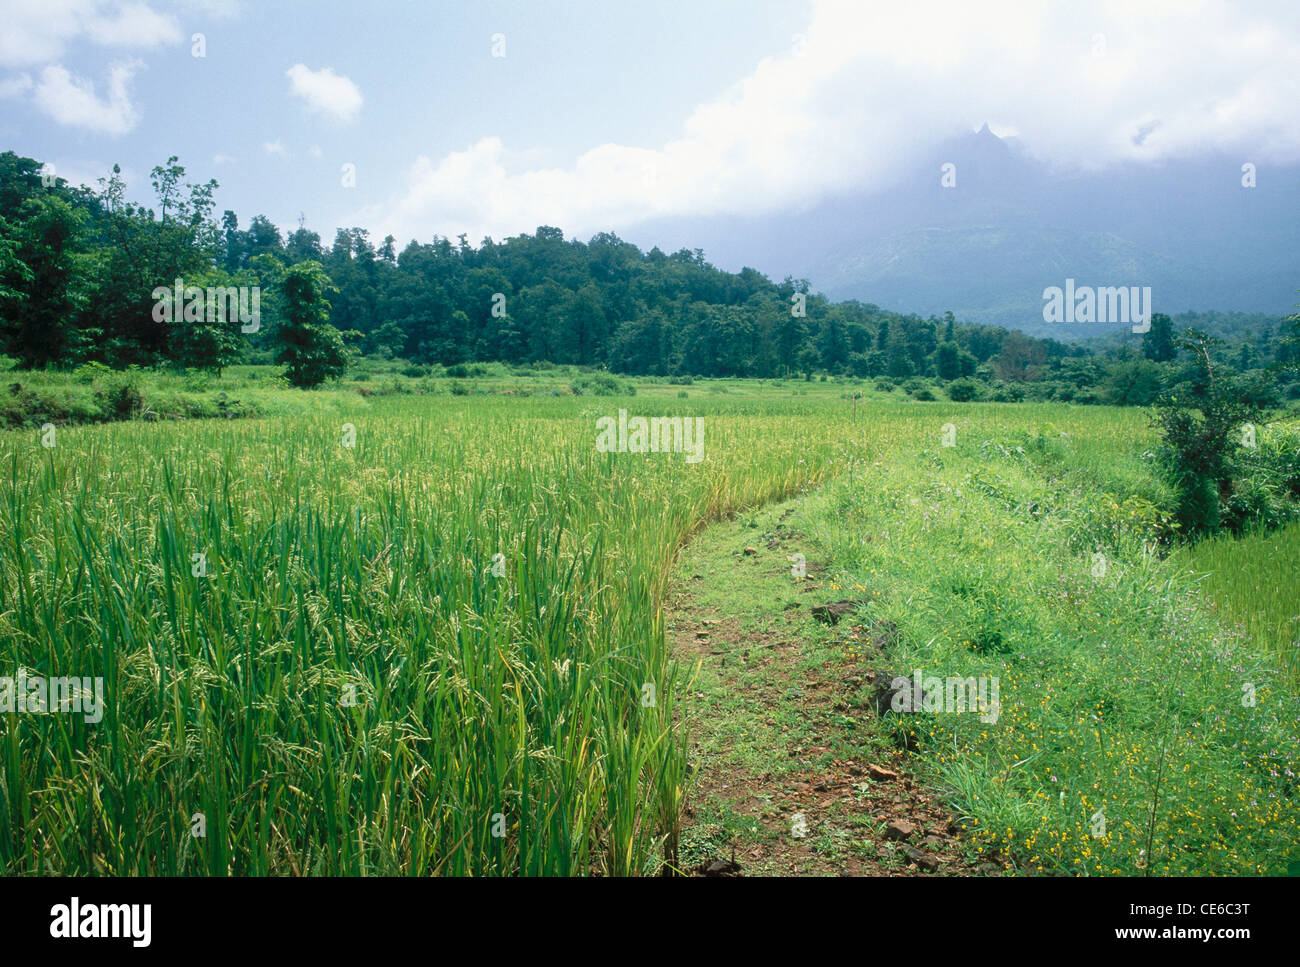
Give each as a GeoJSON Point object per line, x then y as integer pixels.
{"type": "Point", "coordinates": [1011, 226]}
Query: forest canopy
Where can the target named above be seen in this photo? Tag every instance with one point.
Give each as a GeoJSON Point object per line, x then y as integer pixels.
{"type": "Point", "coordinates": [79, 268]}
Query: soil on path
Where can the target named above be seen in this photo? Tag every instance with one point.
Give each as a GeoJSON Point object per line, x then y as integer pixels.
{"type": "Point", "coordinates": [794, 773]}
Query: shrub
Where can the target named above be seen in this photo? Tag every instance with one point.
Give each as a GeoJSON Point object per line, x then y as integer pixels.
{"type": "Point", "coordinates": [1201, 431]}
{"type": "Point", "coordinates": [601, 384]}
{"type": "Point", "coordinates": [1255, 503]}
{"type": "Point", "coordinates": [963, 390]}
{"type": "Point", "coordinates": [119, 395]}
{"type": "Point", "coordinates": [92, 371]}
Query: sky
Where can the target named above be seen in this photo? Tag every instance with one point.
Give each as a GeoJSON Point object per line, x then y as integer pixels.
{"type": "Point", "coordinates": [491, 118]}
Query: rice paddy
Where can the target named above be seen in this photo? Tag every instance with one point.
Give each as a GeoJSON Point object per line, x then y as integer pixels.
{"type": "Point", "coordinates": [440, 649]}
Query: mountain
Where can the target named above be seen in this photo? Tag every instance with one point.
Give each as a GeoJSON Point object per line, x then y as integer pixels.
{"type": "Point", "coordinates": [1012, 226]}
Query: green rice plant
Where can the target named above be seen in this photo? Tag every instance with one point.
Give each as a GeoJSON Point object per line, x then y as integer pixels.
{"type": "Point", "coordinates": [427, 653]}
{"type": "Point", "coordinates": [1251, 582]}
{"type": "Point", "coordinates": [442, 651]}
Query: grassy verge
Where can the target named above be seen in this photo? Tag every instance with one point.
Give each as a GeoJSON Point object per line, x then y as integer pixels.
{"type": "Point", "coordinates": [1135, 735]}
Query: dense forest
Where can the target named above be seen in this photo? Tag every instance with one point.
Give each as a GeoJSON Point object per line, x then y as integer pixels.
{"type": "Point", "coordinates": [79, 269]}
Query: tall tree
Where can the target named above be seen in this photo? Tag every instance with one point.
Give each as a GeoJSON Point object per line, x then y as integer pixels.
{"type": "Point", "coordinates": [310, 348]}
{"type": "Point", "coordinates": [1158, 341]}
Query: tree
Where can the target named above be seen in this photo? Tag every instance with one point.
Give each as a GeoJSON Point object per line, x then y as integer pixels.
{"type": "Point", "coordinates": [44, 283]}
{"type": "Point", "coordinates": [213, 340]}
{"type": "Point", "coordinates": [1158, 341]}
{"type": "Point", "coordinates": [1135, 382]}
{"type": "Point", "coordinates": [136, 253]}
{"type": "Point", "coordinates": [310, 348]}
{"type": "Point", "coordinates": [387, 341]}
{"type": "Point", "coordinates": [1021, 359]}
{"type": "Point", "coordinates": [898, 360]}
{"type": "Point", "coordinates": [1201, 431]}
{"type": "Point", "coordinates": [947, 361]}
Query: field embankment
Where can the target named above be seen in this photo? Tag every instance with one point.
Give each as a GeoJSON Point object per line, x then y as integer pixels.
{"type": "Point", "coordinates": [1136, 734]}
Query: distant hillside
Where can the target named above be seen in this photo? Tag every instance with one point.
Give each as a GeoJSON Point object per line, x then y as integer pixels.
{"type": "Point", "coordinates": [988, 247]}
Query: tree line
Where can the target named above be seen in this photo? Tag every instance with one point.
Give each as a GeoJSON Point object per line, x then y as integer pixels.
{"type": "Point", "coordinates": [79, 266]}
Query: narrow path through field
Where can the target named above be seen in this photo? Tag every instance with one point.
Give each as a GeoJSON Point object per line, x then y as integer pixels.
{"type": "Point", "coordinates": [793, 773]}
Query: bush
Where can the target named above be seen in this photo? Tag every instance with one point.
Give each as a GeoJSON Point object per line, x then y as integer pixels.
{"type": "Point", "coordinates": [119, 395]}
{"type": "Point", "coordinates": [1008, 393]}
{"type": "Point", "coordinates": [91, 371]}
{"type": "Point", "coordinates": [963, 390]}
{"type": "Point", "coordinates": [1274, 460]}
{"type": "Point", "coordinates": [1255, 503]}
{"type": "Point", "coordinates": [601, 384]}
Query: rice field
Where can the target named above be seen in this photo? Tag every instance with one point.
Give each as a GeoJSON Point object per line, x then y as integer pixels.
{"type": "Point", "coordinates": [1252, 582]}
{"type": "Point", "coordinates": [436, 651]}
{"type": "Point", "coordinates": [415, 635]}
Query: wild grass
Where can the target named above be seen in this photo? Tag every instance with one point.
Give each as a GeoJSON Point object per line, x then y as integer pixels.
{"type": "Point", "coordinates": [1136, 735]}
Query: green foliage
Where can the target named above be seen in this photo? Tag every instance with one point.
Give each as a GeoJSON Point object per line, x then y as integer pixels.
{"type": "Point", "coordinates": [310, 348]}
{"type": "Point", "coordinates": [1135, 382]}
{"type": "Point", "coordinates": [1202, 431]}
{"type": "Point", "coordinates": [77, 269]}
{"type": "Point", "coordinates": [1158, 341]}
{"type": "Point", "coordinates": [963, 391]}
{"type": "Point", "coordinates": [601, 384]}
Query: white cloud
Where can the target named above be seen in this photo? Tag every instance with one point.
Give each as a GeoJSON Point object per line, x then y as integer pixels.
{"type": "Point", "coordinates": [71, 100]}
{"type": "Point", "coordinates": [315, 151]}
{"type": "Point", "coordinates": [877, 85]}
{"type": "Point", "coordinates": [15, 86]}
{"type": "Point", "coordinates": [133, 25]}
{"type": "Point", "coordinates": [38, 31]}
{"type": "Point", "coordinates": [275, 148]}
{"type": "Point", "coordinates": [325, 92]}
{"type": "Point", "coordinates": [223, 159]}
{"type": "Point", "coordinates": [220, 9]}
